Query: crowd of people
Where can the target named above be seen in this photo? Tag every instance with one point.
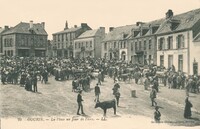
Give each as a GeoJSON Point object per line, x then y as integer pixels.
{"type": "Point", "coordinates": [28, 71]}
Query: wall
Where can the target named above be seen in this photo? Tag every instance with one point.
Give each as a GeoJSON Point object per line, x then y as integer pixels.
{"type": "Point", "coordinates": [152, 51]}
{"type": "Point", "coordinates": [10, 48]}
{"type": "Point", "coordinates": [84, 40]}
{"type": "Point", "coordinates": [100, 35]}
{"type": "Point", "coordinates": [175, 52]}
{"type": "Point", "coordinates": [194, 54]}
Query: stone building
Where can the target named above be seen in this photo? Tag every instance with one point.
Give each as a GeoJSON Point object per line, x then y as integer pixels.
{"type": "Point", "coordinates": [89, 43]}
{"type": "Point", "coordinates": [2, 30]}
{"type": "Point", "coordinates": [142, 43]}
{"type": "Point", "coordinates": [63, 41]}
{"type": "Point", "coordinates": [25, 39]}
{"type": "Point", "coordinates": [114, 45]}
{"type": "Point", "coordinates": [176, 42]}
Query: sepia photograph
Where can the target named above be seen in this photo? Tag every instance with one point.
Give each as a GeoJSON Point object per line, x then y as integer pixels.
{"type": "Point", "coordinates": [99, 64]}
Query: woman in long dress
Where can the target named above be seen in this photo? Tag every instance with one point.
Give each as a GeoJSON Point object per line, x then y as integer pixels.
{"type": "Point", "coordinates": [188, 106]}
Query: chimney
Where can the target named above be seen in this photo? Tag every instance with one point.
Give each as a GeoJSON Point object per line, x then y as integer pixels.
{"type": "Point", "coordinates": [139, 23]}
{"type": "Point", "coordinates": [169, 14]}
{"type": "Point", "coordinates": [75, 26]}
{"type": "Point", "coordinates": [43, 25]}
{"type": "Point", "coordinates": [66, 25]}
{"type": "Point", "coordinates": [6, 27]}
{"type": "Point", "coordinates": [111, 29]}
{"type": "Point", "coordinates": [31, 24]}
{"type": "Point", "coordinates": [84, 25]}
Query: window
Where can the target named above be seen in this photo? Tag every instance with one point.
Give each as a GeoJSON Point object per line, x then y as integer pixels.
{"type": "Point", "coordinates": [162, 60]}
{"type": "Point", "coordinates": [124, 44]}
{"type": "Point", "coordinates": [144, 45]}
{"type": "Point", "coordinates": [58, 37]}
{"type": "Point", "coordinates": [66, 37]}
{"type": "Point", "coordinates": [58, 45]}
{"type": "Point", "coordinates": [5, 43]}
{"type": "Point", "coordinates": [131, 46]}
{"type": "Point", "coordinates": [82, 44]}
{"type": "Point", "coordinates": [136, 46]}
{"type": "Point", "coordinates": [161, 44]}
{"type": "Point", "coordinates": [180, 62]}
{"type": "Point", "coordinates": [145, 59]}
{"type": "Point", "coordinates": [86, 44]}
{"type": "Point", "coordinates": [121, 44]}
{"type": "Point", "coordinates": [105, 46]}
{"type": "Point", "coordinates": [105, 55]}
{"type": "Point", "coordinates": [75, 45]}
{"type": "Point", "coordinates": [62, 36]}
{"type": "Point", "coordinates": [79, 45]}
{"type": "Point", "coordinates": [170, 60]}
{"type": "Point", "coordinates": [11, 52]}
{"type": "Point", "coordinates": [114, 44]}
{"type": "Point", "coordinates": [180, 41]}
{"type": "Point", "coordinates": [150, 58]}
{"type": "Point", "coordinates": [150, 44]}
{"type": "Point", "coordinates": [170, 42]}
{"type": "Point", "coordinates": [90, 43]}
{"type": "Point", "coordinates": [140, 45]}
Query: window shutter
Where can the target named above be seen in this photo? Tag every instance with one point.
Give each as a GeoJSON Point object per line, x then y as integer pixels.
{"type": "Point", "coordinates": [176, 42]}
{"type": "Point", "coordinates": [171, 45]}
{"type": "Point", "coordinates": [163, 44]}
{"type": "Point", "coordinates": [183, 41]}
{"type": "Point", "coordinates": [158, 44]}
{"type": "Point", "coordinates": [168, 42]}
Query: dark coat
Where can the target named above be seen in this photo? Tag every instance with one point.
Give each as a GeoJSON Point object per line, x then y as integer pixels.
{"type": "Point", "coordinates": [187, 111]}
{"type": "Point", "coordinates": [97, 90]}
{"type": "Point", "coordinates": [79, 98]}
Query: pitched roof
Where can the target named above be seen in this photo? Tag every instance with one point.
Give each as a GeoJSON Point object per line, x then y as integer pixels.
{"type": "Point", "coordinates": [186, 20]}
{"type": "Point", "coordinates": [118, 32]}
{"type": "Point", "coordinates": [147, 26]}
{"type": "Point", "coordinates": [23, 27]}
{"type": "Point", "coordinates": [1, 30]}
{"type": "Point", "coordinates": [73, 29]}
{"type": "Point", "coordinates": [197, 38]}
{"type": "Point", "coordinates": [89, 33]}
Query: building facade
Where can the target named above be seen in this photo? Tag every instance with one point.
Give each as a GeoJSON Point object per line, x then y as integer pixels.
{"type": "Point", "coordinates": [88, 44]}
{"type": "Point", "coordinates": [63, 41]}
{"type": "Point", "coordinates": [25, 39]}
{"type": "Point", "coordinates": [176, 44]}
{"type": "Point", "coordinates": [2, 30]}
{"type": "Point", "coordinates": [143, 43]}
{"type": "Point", "coordinates": [115, 44]}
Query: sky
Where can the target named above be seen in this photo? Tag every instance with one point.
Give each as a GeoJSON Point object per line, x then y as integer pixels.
{"type": "Point", "coordinates": [96, 13]}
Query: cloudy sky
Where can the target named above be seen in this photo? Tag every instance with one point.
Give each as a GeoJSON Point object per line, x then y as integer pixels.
{"type": "Point", "coordinates": [94, 12]}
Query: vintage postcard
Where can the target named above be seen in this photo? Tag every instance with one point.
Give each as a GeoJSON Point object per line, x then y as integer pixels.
{"type": "Point", "coordinates": [131, 64]}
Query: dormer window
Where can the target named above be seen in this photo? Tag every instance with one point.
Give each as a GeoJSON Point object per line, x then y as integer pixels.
{"type": "Point", "coordinates": [174, 24]}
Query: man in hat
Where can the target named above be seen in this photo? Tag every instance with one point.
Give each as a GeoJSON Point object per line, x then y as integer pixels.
{"type": "Point", "coordinates": [97, 92]}
{"type": "Point", "coordinates": [146, 83]}
{"type": "Point", "coordinates": [115, 88]}
{"type": "Point", "coordinates": [117, 96]}
{"type": "Point", "coordinates": [79, 101]}
{"type": "Point", "coordinates": [157, 115]}
{"type": "Point", "coordinates": [153, 96]}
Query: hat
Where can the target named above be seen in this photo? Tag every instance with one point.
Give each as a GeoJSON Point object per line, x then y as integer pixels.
{"type": "Point", "coordinates": [157, 107]}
